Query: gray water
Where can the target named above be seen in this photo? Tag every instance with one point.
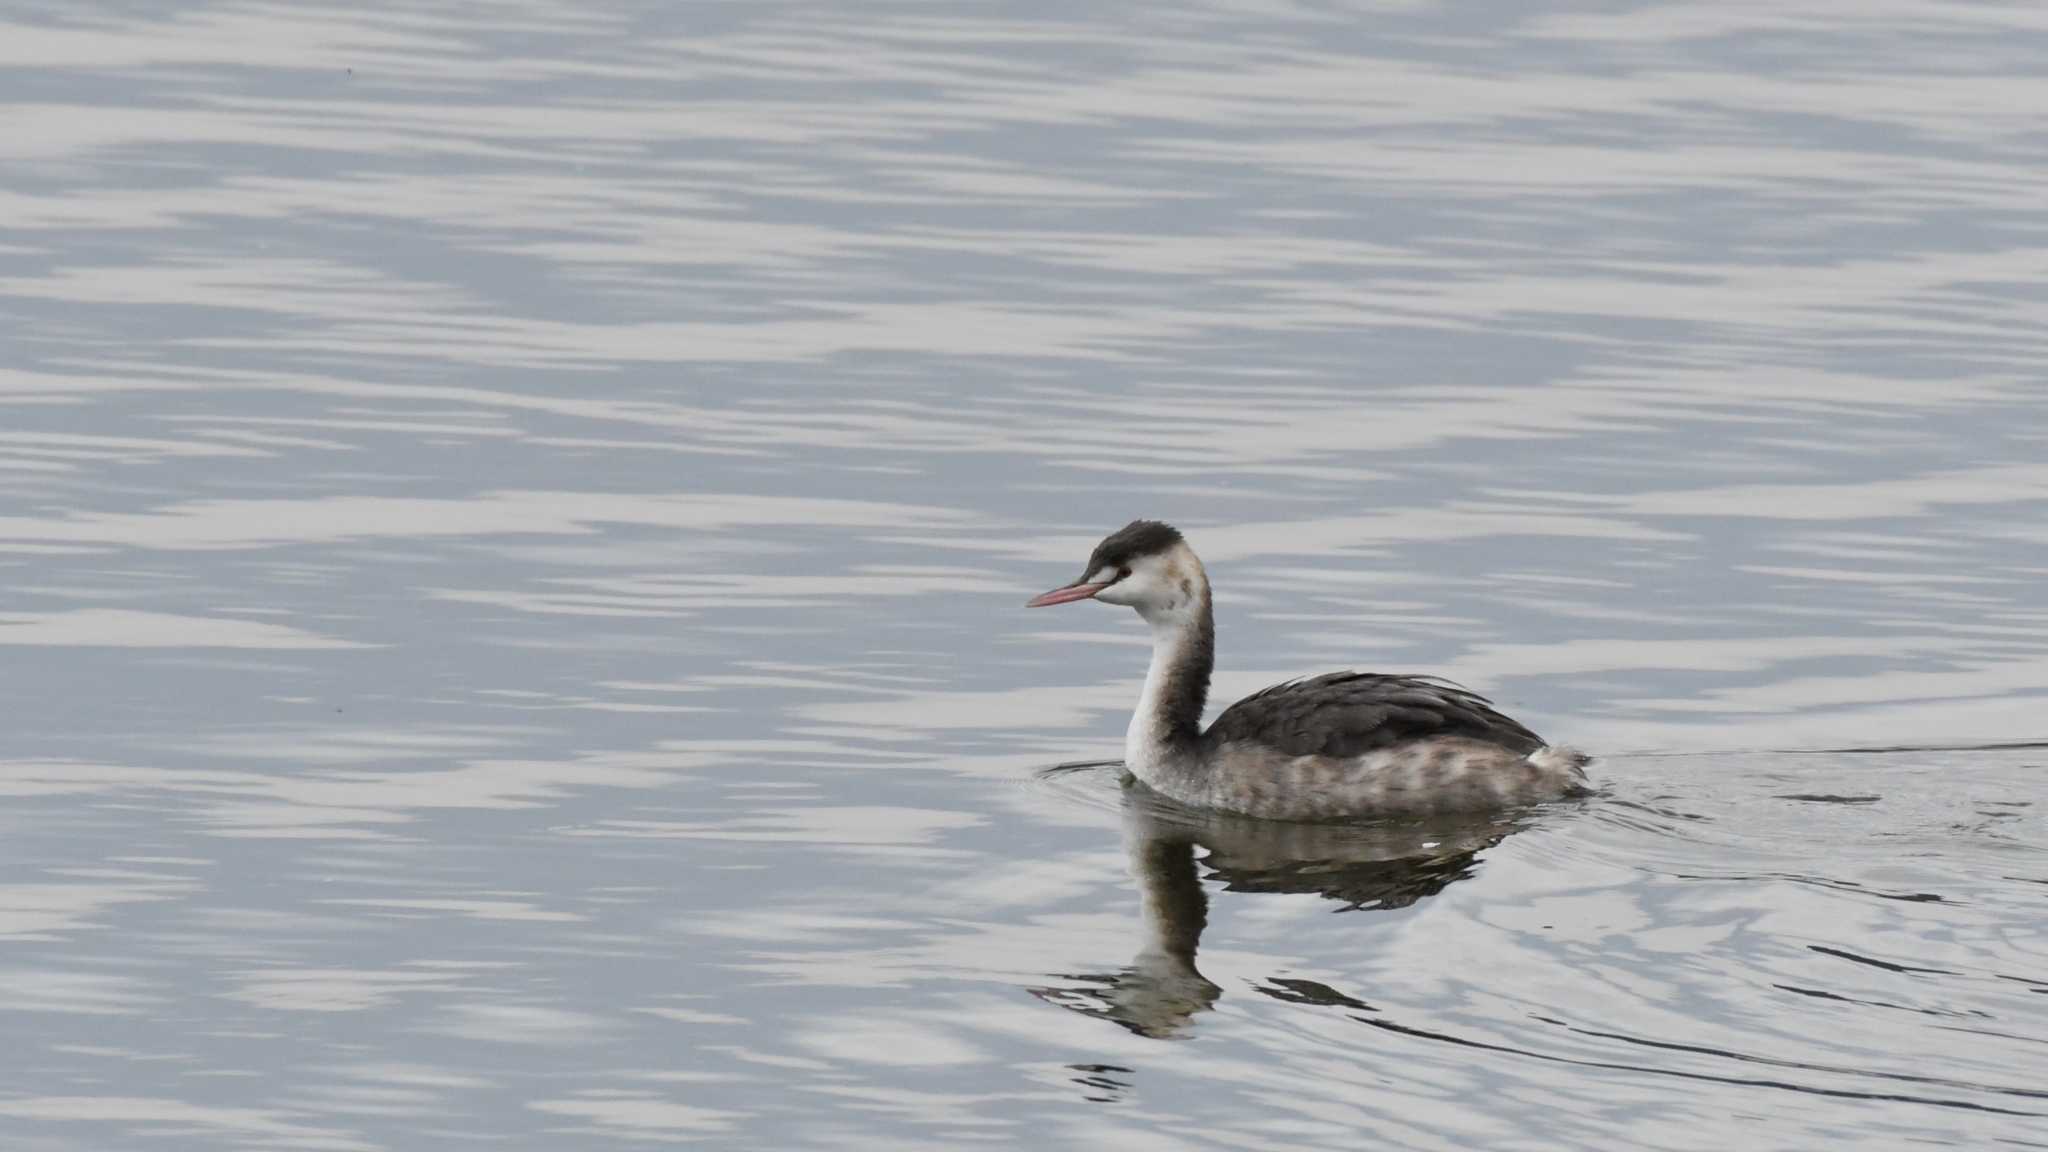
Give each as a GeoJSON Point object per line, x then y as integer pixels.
{"type": "Point", "coordinates": [515, 521]}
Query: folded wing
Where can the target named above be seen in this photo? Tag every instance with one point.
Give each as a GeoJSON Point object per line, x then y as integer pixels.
{"type": "Point", "coordinates": [1346, 714]}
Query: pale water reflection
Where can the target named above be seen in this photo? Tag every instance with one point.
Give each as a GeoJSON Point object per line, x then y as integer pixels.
{"type": "Point", "coordinates": [513, 523]}
{"type": "Point", "coordinates": [1370, 864]}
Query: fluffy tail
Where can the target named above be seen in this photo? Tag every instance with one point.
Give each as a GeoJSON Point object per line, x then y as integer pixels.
{"type": "Point", "coordinates": [1568, 764]}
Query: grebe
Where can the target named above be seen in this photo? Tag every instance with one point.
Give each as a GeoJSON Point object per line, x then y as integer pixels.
{"type": "Point", "coordinates": [1324, 748]}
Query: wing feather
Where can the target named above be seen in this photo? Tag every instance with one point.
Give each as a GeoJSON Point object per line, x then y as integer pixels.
{"type": "Point", "coordinates": [1345, 714]}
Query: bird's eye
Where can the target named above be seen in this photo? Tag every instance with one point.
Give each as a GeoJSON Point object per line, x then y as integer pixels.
{"type": "Point", "coordinates": [1124, 573]}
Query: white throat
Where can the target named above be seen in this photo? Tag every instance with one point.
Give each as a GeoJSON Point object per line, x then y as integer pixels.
{"type": "Point", "coordinates": [1147, 752]}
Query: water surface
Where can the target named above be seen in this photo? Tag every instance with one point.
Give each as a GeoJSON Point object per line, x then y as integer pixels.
{"type": "Point", "coordinates": [514, 526]}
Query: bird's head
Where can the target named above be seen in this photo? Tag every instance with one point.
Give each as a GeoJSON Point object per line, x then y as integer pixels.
{"type": "Point", "coordinates": [1144, 565]}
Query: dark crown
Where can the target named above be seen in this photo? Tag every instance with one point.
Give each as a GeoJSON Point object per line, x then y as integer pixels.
{"type": "Point", "coordinates": [1128, 543]}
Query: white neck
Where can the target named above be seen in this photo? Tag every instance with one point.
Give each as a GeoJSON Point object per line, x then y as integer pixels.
{"type": "Point", "coordinates": [1161, 746]}
{"type": "Point", "coordinates": [1145, 744]}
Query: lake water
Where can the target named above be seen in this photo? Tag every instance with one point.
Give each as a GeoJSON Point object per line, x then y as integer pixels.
{"type": "Point", "coordinates": [516, 519]}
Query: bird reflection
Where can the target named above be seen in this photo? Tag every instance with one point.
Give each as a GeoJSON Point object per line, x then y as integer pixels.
{"type": "Point", "coordinates": [1360, 866]}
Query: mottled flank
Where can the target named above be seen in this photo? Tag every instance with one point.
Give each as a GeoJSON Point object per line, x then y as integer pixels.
{"type": "Point", "coordinates": [1437, 774]}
